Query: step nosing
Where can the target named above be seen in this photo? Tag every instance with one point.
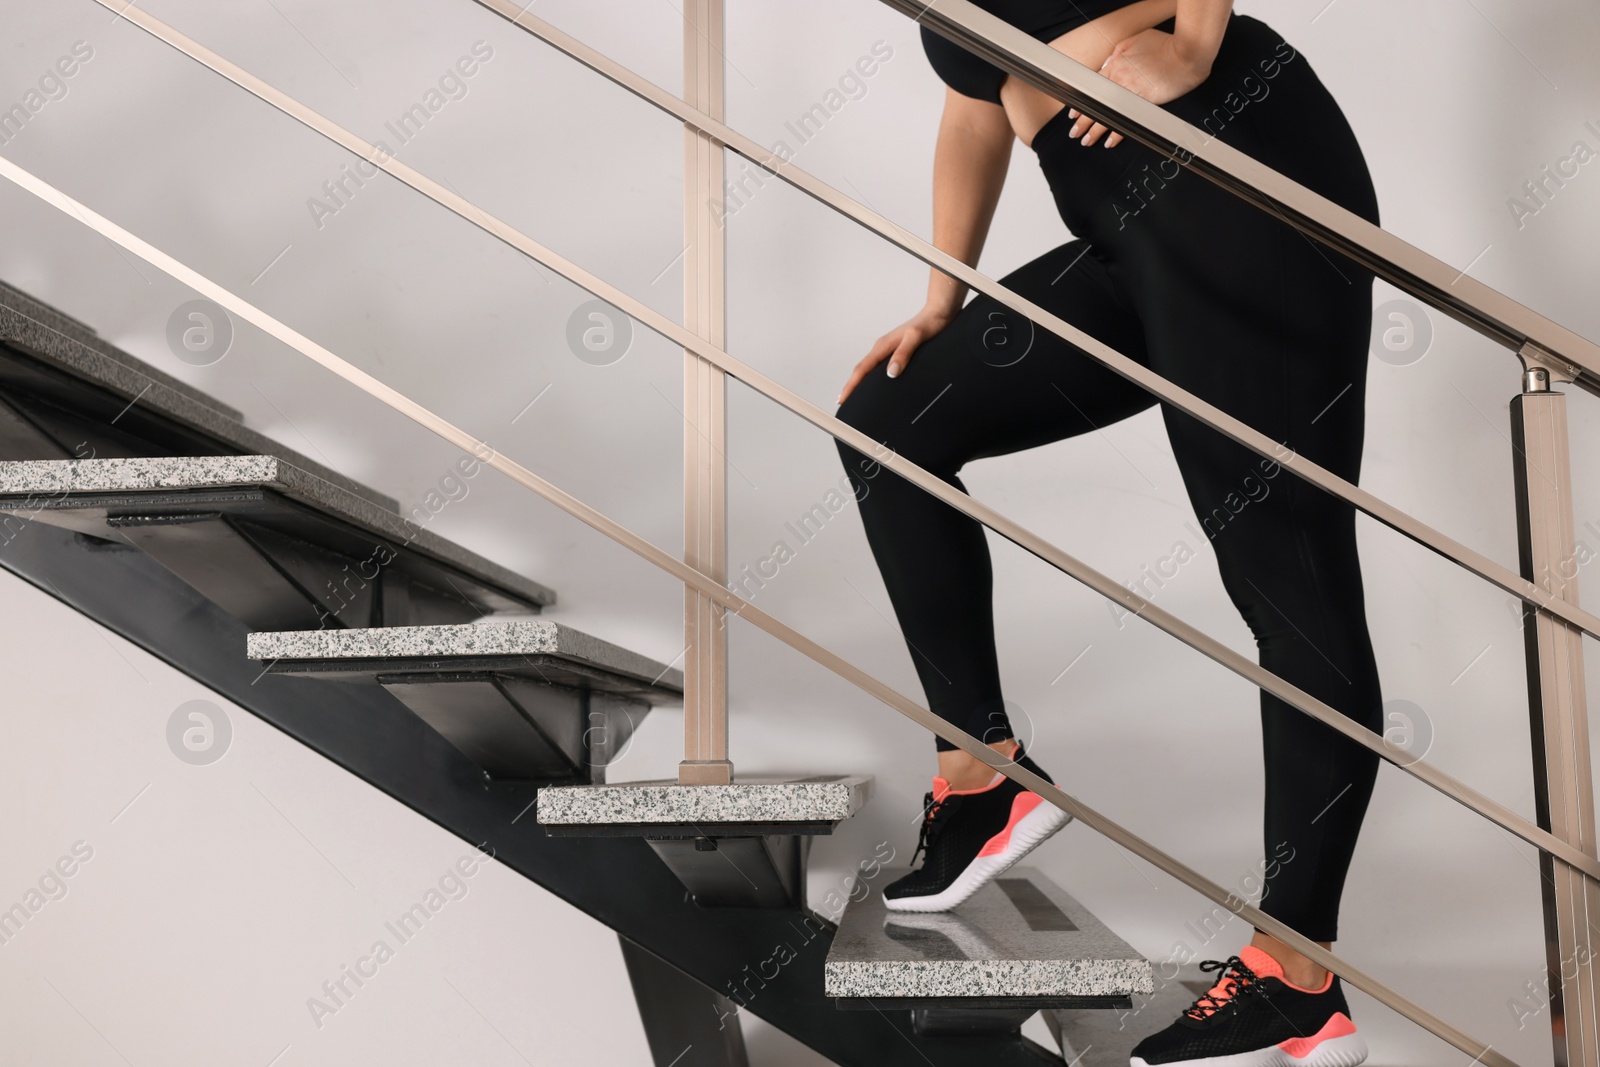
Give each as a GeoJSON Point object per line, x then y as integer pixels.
{"type": "Point", "coordinates": [484, 639]}
{"type": "Point", "coordinates": [34, 478]}
{"type": "Point", "coordinates": [669, 803]}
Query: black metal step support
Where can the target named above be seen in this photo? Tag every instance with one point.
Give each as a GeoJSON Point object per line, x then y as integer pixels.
{"type": "Point", "coordinates": [686, 1024]}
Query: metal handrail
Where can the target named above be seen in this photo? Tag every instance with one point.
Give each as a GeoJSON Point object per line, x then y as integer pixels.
{"type": "Point", "coordinates": [731, 601]}
{"type": "Point", "coordinates": [1099, 582]}
{"type": "Point", "coordinates": [1504, 578]}
{"type": "Point", "coordinates": [1486, 310]}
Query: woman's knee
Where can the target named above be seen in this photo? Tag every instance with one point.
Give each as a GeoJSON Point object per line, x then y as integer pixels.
{"type": "Point", "coordinates": [859, 412]}
{"type": "Point", "coordinates": [878, 409]}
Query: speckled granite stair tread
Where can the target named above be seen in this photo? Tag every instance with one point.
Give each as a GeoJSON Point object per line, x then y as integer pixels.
{"type": "Point", "coordinates": [823, 798]}
{"type": "Point", "coordinates": [57, 340]}
{"type": "Point", "coordinates": [1008, 940]}
{"type": "Point", "coordinates": [39, 478]}
{"type": "Point", "coordinates": [517, 637]}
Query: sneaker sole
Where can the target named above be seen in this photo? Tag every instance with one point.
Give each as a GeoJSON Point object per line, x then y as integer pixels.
{"type": "Point", "coordinates": [1025, 835]}
{"type": "Point", "coordinates": [1346, 1051]}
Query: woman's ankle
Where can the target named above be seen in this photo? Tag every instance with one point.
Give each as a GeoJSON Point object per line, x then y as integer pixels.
{"type": "Point", "coordinates": [1299, 970]}
{"type": "Point", "coordinates": [968, 772]}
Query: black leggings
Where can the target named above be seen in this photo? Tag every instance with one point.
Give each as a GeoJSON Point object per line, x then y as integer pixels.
{"type": "Point", "coordinates": [1239, 309]}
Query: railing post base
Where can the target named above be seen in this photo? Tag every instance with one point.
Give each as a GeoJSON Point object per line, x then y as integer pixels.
{"type": "Point", "coordinates": [705, 772]}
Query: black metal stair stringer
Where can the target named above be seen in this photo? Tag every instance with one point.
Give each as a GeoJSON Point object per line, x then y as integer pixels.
{"type": "Point", "coordinates": [768, 960]}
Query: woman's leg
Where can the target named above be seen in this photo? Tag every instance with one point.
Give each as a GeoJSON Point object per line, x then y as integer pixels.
{"type": "Point", "coordinates": [1252, 316]}
{"type": "Point", "coordinates": [1249, 315]}
{"type": "Point", "coordinates": [1293, 366]}
{"type": "Point", "coordinates": [988, 384]}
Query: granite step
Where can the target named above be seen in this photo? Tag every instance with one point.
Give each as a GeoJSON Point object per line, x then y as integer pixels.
{"type": "Point", "coordinates": [66, 393]}
{"type": "Point", "coordinates": [1017, 946]}
{"type": "Point", "coordinates": [524, 699]}
{"type": "Point", "coordinates": [274, 545]}
{"type": "Point", "coordinates": [738, 845]}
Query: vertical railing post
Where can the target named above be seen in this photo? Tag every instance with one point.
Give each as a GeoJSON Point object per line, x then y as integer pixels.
{"type": "Point", "coordinates": [705, 542]}
{"type": "Point", "coordinates": [1563, 790]}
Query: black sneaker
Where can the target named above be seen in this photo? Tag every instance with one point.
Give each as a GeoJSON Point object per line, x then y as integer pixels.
{"type": "Point", "coordinates": [971, 836]}
{"type": "Point", "coordinates": [1253, 1017]}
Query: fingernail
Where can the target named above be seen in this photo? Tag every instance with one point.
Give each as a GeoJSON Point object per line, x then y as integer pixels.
{"type": "Point", "coordinates": [1073, 113]}
{"type": "Point", "coordinates": [894, 372]}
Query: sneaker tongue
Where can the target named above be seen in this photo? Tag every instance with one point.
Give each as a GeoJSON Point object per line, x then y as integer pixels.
{"type": "Point", "coordinates": [1254, 958]}
{"type": "Point", "coordinates": [941, 786]}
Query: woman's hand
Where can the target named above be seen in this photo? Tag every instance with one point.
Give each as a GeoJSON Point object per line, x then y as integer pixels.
{"type": "Point", "coordinates": [1159, 66]}
{"type": "Point", "coordinates": [899, 343]}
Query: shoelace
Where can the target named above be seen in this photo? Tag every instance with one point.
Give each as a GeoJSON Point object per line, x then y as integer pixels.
{"type": "Point", "coordinates": [1240, 981]}
{"type": "Point", "coordinates": [933, 823]}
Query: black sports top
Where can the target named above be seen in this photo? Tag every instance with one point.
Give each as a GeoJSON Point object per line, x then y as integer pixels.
{"type": "Point", "coordinates": [1043, 19]}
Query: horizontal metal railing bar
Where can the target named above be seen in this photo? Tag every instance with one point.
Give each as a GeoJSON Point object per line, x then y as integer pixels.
{"type": "Point", "coordinates": [736, 604]}
{"type": "Point", "coordinates": [1219, 420]}
{"type": "Point", "coordinates": [1447, 288]}
{"type": "Point", "coordinates": [1100, 583]}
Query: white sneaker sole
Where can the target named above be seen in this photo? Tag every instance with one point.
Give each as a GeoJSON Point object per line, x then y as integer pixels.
{"type": "Point", "coordinates": [1346, 1051]}
{"type": "Point", "coordinates": [1026, 835]}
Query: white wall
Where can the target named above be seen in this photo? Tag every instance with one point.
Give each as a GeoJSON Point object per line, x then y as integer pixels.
{"type": "Point", "coordinates": [239, 911]}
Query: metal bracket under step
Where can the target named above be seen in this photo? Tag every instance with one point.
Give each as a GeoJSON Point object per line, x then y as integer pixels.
{"type": "Point", "coordinates": [955, 1017]}
{"type": "Point", "coordinates": [520, 729]}
{"type": "Point", "coordinates": [739, 872]}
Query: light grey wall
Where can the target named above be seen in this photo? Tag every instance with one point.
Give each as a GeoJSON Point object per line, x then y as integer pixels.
{"type": "Point", "coordinates": [218, 901]}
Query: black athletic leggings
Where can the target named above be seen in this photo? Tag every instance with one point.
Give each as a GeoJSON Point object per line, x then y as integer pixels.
{"type": "Point", "coordinates": [1244, 312]}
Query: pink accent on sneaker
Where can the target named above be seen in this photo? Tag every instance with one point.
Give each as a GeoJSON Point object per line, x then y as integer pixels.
{"type": "Point", "coordinates": [1266, 966]}
{"type": "Point", "coordinates": [1021, 804]}
{"type": "Point", "coordinates": [1261, 961]}
{"type": "Point", "coordinates": [1338, 1025]}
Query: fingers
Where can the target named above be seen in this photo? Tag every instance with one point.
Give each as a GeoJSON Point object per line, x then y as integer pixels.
{"type": "Point", "coordinates": [1095, 130]}
{"type": "Point", "coordinates": [1085, 128]}
{"type": "Point", "coordinates": [862, 370]}
{"type": "Point", "coordinates": [897, 347]}
{"type": "Point", "coordinates": [882, 348]}
{"type": "Point", "coordinates": [909, 340]}
{"type": "Point", "coordinates": [855, 377]}
{"type": "Point", "coordinates": [1120, 69]}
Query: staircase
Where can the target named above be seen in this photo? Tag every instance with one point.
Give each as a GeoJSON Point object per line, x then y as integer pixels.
{"type": "Point", "coordinates": [429, 672]}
